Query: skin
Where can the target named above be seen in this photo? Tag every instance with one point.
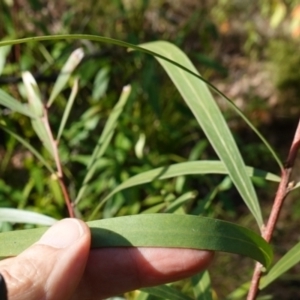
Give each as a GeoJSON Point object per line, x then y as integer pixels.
{"type": "Point", "coordinates": [61, 266]}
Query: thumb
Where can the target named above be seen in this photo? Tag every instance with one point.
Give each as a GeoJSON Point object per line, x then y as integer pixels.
{"type": "Point", "coordinates": [51, 268]}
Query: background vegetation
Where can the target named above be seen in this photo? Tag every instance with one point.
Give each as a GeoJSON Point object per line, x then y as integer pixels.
{"type": "Point", "coordinates": [248, 50]}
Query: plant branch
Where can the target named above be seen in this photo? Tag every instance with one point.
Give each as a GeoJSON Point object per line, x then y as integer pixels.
{"type": "Point", "coordinates": [60, 175]}
{"type": "Point", "coordinates": [282, 192]}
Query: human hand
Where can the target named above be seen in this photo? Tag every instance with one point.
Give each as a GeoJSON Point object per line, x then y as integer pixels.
{"type": "Point", "coordinates": [61, 266]}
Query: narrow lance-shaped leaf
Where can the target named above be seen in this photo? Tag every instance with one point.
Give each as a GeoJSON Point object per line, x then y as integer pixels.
{"type": "Point", "coordinates": [111, 41]}
{"type": "Point", "coordinates": [239, 293]}
{"type": "Point", "coordinates": [203, 206]}
{"type": "Point", "coordinates": [290, 259]}
{"type": "Point", "coordinates": [199, 99]}
{"type": "Point", "coordinates": [73, 61]}
{"type": "Point", "coordinates": [100, 83]}
{"type": "Point", "coordinates": [33, 94]}
{"type": "Point", "coordinates": [158, 230]}
{"type": "Point", "coordinates": [104, 140]}
{"type": "Point", "coordinates": [68, 109]}
{"type": "Point", "coordinates": [23, 216]}
{"type": "Point", "coordinates": [179, 202]}
{"type": "Point", "coordinates": [186, 168]}
{"type": "Point", "coordinates": [14, 105]}
{"type": "Point", "coordinates": [135, 47]}
{"type": "Point", "coordinates": [39, 124]}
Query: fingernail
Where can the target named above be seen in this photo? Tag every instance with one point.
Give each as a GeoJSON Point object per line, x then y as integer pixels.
{"type": "Point", "coordinates": [63, 234]}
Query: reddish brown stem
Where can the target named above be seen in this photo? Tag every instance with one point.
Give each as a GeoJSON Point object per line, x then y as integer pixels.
{"type": "Point", "coordinates": [282, 192]}
{"type": "Point", "coordinates": [60, 174]}
{"type": "Point", "coordinates": [66, 197]}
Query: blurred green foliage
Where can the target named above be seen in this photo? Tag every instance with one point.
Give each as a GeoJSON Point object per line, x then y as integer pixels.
{"type": "Point", "coordinates": [286, 71]}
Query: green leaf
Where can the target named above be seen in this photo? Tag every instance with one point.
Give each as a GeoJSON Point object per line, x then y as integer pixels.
{"type": "Point", "coordinates": [154, 209]}
{"type": "Point", "coordinates": [43, 134]}
{"type": "Point", "coordinates": [39, 123]}
{"type": "Point", "coordinates": [68, 109]}
{"type": "Point", "coordinates": [145, 296]}
{"type": "Point", "coordinates": [103, 141]}
{"type": "Point", "coordinates": [166, 292]}
{"type": "Point", "coordinates": [14, 105]}
{"type": "Point", "coordinates": [179, 202]}
{"type": "Point", "coordinates": [158, 230]}
{"type": "Point", "coordinates": [201, 286]}
{"type": "Point", "coordinates": [199, 99]}
{"type": "Point", "coordinates": [240, 292]}
{"type": "Point", "coordinates": [33, 94]}
{"type": "Point", "coordinates": [134, 47]}
{"type": "Point", "coordinates": [206, 202]}
{"type": "Point", "coordinates": [290, 259]}
{"type": "Point", "coordinates": [186, 168]}
{"type": "Point", "coordinates": [139, 146]}
{"type": "Point", "coordinates": [65, 73]}
{"type": "Point", "coordinates": [101, 83]}
{"type": "Point", "coordinates": [22, 216]}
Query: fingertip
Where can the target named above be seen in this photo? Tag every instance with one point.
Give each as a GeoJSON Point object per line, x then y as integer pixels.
{"type": "Point", "coordinates": [124, 269]}
{"type": "Point", "coordinates": [171, 264]}
{"type": "Point", "coordinates": [200, 258]}
{"type": "Point", "coordinates": [64, 233]}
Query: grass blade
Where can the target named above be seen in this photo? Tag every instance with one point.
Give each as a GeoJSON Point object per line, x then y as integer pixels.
{"type": "Point", "coordinates": [158, 230]}
{"type": "Point", "coordinates": [67, 109]}
{"type": "Point", "coordinates": [186, 168]}
{"type": "Point", "coordinates": [36, 105]}
{"type": "Point", "coordinates": [179, 202]}
{"type": "Point", "coordinates": [290, 259]}
{"type": "Point", "coordinates": [14, 105]}
{"type": "Point", "coordinates": [73, 61]}
{"type": "Point", "coordinates": [199, 99]}
{"type": "Point", "coordinates": [240, 292]}
{"type": "Point", "coordinates": [33, 94]}
{"type": "Point", "coordinates": [22, 216]}
{"type": "Point", "coordinates": [134, 47]}
{"type": "Point", "coordinates": [104, 140]}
